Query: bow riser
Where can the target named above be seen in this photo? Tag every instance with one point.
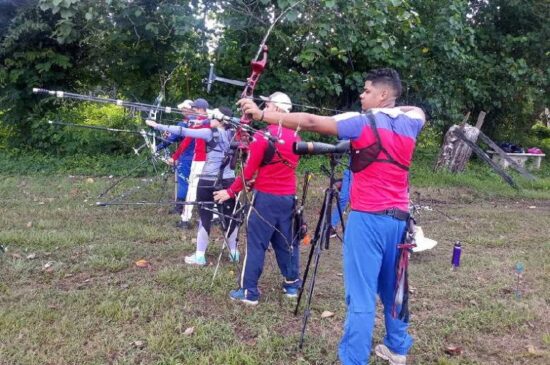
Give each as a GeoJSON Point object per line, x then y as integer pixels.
{"type": "Point", "coordinates": [258, 67]}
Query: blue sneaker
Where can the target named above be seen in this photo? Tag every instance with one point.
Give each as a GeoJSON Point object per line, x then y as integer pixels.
{"type": "Point", "coordinates": [240, 295]}
{"type": "Point", "coordinates": [292, 289]}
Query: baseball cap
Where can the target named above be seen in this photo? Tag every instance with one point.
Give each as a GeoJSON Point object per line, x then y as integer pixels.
{"type": "Point", "coordinates": [200, 104]}
{"type": "Point", "coordinates": [186, 104]}
{"type": "Point", "coordinates": [281, 101]}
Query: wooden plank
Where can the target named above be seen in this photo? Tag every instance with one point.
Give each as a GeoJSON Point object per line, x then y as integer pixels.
{"type": "Point", "coordinates": [466, 117]}
{"type": "Point", "coordinates": [480, 119]}
{"type": "Point", "coordinates": [487, 159]}
{"type": "Point", "coordinates": [503, 155]}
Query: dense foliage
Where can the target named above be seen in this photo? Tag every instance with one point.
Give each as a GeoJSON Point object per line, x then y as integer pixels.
{"type": "Point", "coordinates": [454, 56]}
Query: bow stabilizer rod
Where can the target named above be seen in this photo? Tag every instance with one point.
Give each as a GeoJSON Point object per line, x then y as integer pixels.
{"type": "Point", "coordinates": [138, 106]}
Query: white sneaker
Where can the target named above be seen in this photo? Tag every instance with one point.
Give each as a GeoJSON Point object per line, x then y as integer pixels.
{"type": "Point", "coordinates": [234, 257]}
{"type": "Point", "coordinates": [385, 353]}
{"type": "Point", "coordinates": [194, 260]}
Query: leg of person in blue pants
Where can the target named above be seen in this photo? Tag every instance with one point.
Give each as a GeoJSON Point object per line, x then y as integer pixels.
{"type": "Point", "coordinates": [344, 198]}
{"type": "Point", "coordinates": [269, 218]}
{"type": "Point", "coordinates": [182, 181]}
{"type": "Point", "coordinates": [287, 251]}
{"type": "Point", "coordinates": [370, 255]}
{"type": "Point", "coordinates": [260, 230]}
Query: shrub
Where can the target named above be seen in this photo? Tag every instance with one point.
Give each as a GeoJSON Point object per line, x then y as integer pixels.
{"type": "Point", "coordinates": [66, 140]}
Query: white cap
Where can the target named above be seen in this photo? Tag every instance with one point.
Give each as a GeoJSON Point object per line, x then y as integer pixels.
{"type": "Point", "coordinates": [281, 101]}
{"type": "Point", "coordinates": [186, 104]}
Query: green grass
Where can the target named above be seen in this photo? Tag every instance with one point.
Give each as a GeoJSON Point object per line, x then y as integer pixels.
{"type": "Point", "coordinates": [478, 176]}
{"type": "Point", "coordinates": [94, 306]}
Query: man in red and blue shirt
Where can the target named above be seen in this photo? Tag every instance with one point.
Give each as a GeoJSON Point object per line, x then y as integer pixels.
{"type": "Point", "coordinates": [382, 144]}
{"type": "Point", "coordinates": [270, 219]}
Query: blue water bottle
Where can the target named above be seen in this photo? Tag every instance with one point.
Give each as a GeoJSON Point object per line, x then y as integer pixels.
{"type": "Point", "coordinates": [457, 250]}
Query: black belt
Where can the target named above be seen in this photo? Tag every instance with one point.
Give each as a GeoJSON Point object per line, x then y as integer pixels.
{"type": "Point", "coordinates": [393, 212]}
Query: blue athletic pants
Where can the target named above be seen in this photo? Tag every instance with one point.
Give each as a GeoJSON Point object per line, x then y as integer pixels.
{"type": "Point", "coordinates": [270, 220]}
{"type": "Point", "coordinates": [344, 198]}
{"type": "Point", "coordinates": [182, 175]}
{"type": "Point", "coordinates": [370, 257]}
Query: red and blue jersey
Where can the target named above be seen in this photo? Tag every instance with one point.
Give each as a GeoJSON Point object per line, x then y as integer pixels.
{"type": "Point", "coordinates": [382, 186]}
{"type": "Point", "coordinates": [277, 177]}
{"type": "Point", "coordinates": [199, 149]}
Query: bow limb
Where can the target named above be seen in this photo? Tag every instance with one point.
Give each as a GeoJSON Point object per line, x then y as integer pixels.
{"type": "Point", "coordinates": [152, 143]}
{"type": "Point", "coordinates": [258, 66]}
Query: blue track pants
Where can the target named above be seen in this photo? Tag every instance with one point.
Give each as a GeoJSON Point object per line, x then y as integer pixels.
{"type": "Point", "coordinates": [370, 257]}
{"type": "Point", "coordinates": [182, 175]}
{"type": "Point", "coordinates": [344, 198]}
{"type": "Point", "coordinates": [270, 220]}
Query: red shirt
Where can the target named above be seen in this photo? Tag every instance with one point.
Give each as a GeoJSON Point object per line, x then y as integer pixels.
{"type": "Point", "coordinates": [277, 177]}
{"type": "Point", "coordinates": [382, 186]}
{"type": "Point", "coordinates": [200, 144]}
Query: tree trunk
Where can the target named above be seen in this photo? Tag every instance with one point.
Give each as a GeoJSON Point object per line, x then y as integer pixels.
{"type": "Point", "coordinates": [455, 153]}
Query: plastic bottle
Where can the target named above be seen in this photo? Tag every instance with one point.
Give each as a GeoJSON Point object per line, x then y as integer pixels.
{"type": "Point", "coordinates": [457, 250]}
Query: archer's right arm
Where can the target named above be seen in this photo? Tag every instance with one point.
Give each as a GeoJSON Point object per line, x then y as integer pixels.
{"type": "Point", "coordinates": [297, 121]}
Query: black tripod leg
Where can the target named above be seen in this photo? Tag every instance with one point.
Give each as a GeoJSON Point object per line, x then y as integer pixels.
{"type": "Point", "coordinates": [322, 236]}
{"type": "Point", "coordinates": [306, 271]}
{"type": "Point", "coordinates": [340, 213]}
{"type": "Point", "coordinates": [307, 310]}
{"type": "Point", "coordinates": [316, 237]}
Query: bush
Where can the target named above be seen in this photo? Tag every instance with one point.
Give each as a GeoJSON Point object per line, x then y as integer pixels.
{"type": "Point", "coordinates": [30, 163]}
{"type": "Point", "coordinates": [67, 140]}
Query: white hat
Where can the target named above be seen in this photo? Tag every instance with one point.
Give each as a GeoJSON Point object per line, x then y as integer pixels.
{"type": "Point", "coordinates": [186, 104]}
{"type": "Point", "coordinates": [281, 101]}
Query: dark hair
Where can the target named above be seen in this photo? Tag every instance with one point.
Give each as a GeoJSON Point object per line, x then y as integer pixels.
{"type": "Point", "coordinates": [386, 76]}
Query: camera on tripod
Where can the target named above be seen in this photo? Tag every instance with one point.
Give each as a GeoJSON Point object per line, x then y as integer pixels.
{"type": "Point", "coordinates": [319, 148]}
{"type": "Point", "coordinates": [321, 237]}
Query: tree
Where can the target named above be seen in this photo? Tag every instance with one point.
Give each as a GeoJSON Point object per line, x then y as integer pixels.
{"type": "Point", "coordinates": [125, 49]}
{"type": "Point", "coordinates": [510, 64]}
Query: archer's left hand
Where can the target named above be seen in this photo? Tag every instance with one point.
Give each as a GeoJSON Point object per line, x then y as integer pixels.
{"type": "Point", "coordinates": [221, 195]}
{"type": "Point", "coordinates": [151, 123]}
{"type": "Point", "coordinates": [249, 107]}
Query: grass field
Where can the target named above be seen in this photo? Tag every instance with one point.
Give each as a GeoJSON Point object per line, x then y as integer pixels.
{"type": "Point", "coordinates": [70, 292]}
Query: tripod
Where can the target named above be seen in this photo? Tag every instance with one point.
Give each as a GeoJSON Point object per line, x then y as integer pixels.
{"type": "Point", "coordinates": [319, 242]}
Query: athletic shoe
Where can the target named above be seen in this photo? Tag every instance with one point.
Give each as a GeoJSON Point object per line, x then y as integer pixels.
{"type": "Point", "coordinates": [291, 289]}
{"type": "Point", "coordinates": [234, 257]}
{"type": "Point", "coordinates": [183, 225]}
{"type": "Point", "coordinates": [240, 295]}
{"type": "Point", "coordinates": [291, 292]}
{"type": "Point", "coordinates": [194, 260]}
{"type": "Point", "coordinates": [176, 210]}
{"type": "Point", "coordinates": [385, 353]}
{"type": "Point", "coordinates": [332, 233]}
